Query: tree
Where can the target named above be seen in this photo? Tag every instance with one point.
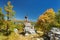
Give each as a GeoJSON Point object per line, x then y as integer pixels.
{"type": "Point", "coordinates": [9, 10]}
{"type": "Point", "coordinates": [57, 24]}
{"type": "Point", "coordinates": [1, 18]}
{"type": "Point", "coordinates": [58, 16]}
{"type": "Point", "coordinates": [46, 19]}
{"type": "Point", "coordinates": [1, 14]}
{"type": "Point", "coordinates": [10, 14]}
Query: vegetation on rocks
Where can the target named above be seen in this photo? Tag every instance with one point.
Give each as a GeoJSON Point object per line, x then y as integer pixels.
{"type": "Point", "coordinates": [44, 23]}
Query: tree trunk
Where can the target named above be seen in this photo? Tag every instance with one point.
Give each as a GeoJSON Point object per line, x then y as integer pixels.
{"type": "Point", "coordinates": [8, 16]}
{"type": "Point", "coordinates": [7, 23]}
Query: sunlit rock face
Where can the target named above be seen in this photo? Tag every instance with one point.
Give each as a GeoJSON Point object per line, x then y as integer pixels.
{"type": "Point", "coordinates": [28, 27]}
{"type": "Point", "coordinates": [55, 30]}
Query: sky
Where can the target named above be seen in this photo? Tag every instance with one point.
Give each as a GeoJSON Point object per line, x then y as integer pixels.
{"type": "Point", "coordinates": [32, 8]}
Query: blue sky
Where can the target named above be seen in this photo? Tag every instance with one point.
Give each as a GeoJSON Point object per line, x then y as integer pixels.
{"type": "Point", "coordinates": [32, 8]}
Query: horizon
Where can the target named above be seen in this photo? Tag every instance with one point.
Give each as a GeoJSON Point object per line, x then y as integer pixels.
{"type": "Point", "coordinates": [32, 8]}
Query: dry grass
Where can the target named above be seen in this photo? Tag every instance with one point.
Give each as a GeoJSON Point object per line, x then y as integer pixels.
{"type": "Point", "coordinates": [15, 36]}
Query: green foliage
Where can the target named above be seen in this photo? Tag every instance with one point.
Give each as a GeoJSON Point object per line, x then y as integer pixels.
{"type": "Point", "coordinates": [57, 19]}
{"type": "Point", "coordinates": [58, 16]}
{"type": "Point", "coordinates": [1, 18]}
{"type": "Point", "coordinates": [20, 27]}
{"type": "Point", "coordinates": [1, 14]}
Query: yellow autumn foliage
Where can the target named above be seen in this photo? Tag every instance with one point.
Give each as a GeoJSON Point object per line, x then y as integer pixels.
{"type": "Point", "coordinates": [45, 19]}
{"type": "Point", "coordinates": [9, 7]}
{"type": "Point", "coordinates": [49, 15]}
